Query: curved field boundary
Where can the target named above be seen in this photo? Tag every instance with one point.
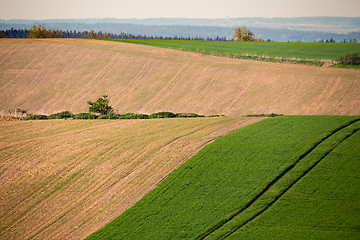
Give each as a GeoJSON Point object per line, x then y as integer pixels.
{"type": "Point", "coordinates": [282, 183]}
{"type": "Point", "coordinates": [255, 50]}
{"type": "Point", "coordinates": [64, 179]}
{"type": "Point", "coordinates": [225, 176]}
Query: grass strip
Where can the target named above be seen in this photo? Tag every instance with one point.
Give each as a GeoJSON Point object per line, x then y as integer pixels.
{"type": "Point", "coordinates": [289, 52]}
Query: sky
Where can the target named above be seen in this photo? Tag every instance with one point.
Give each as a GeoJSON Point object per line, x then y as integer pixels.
{"type": "Point", "coordinates": [77, 9]}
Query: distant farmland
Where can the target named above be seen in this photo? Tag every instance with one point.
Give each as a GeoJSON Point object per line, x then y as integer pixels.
{"type": "Point", "coordinates": [287, 177]}
{"type": "Point", "coordinates": [317, 51]}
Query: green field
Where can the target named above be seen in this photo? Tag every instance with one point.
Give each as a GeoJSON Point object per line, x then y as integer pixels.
{"type": "Point", "coordinates": [323, 205]}
{"type": "Point", "coordinates": [280, 176]}
{"type": "Point", "coordinates": [315, 51]}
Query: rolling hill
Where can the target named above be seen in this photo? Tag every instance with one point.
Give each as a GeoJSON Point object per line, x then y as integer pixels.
{"type": "Point", "coordinates": [65, 179]}
{"type": "Point", "coordinates": [53, 75]}
{"type": "Point", "coordinates": [292, 177]}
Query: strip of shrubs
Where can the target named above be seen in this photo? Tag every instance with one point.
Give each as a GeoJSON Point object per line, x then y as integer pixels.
{"type": "Point", "coordinates": [67, 115]}
{"type": "Point", "coordinates": [61, 115]}
{"type": "Point", "coordinates": [264, 115]}
{"type": "Point", "coordinates": [85, 116]}
{"type": "Point", "coordinates": [36, 117]}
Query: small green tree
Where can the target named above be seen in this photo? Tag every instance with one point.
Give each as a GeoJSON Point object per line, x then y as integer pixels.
{"type": "Point", "coordinates": [101, 105]}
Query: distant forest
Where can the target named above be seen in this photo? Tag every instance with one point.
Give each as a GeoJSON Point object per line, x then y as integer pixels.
{"type": "Point", "coordinates": [25, 33]}
{"type": "Point", "coordinates": [314, 29]}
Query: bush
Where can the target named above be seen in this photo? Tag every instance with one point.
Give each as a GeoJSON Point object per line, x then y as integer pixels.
{"type": "Point", "coordinates": [85, 116]}
{"type": "Point", "coordinates": [349, 59]}
{"type": "Point", "coordinates": [142, 116]}
{"type": "Point", "coordinates": [163, 115]}
{"type": "Point", "coordinates": [109, 116]}
{"type": "Point", "coordinates": [36, 117]}
{"type": "Point", "coordinates": [274, 115]}
{"type": "Point", "coordinates": [61, 115]}
{"type": "Point", "coordinates": [133, 116]}
{"type": "Point", "coordinates": [187, 115]}
{"type": "Point", "coordinates": [264, 115]}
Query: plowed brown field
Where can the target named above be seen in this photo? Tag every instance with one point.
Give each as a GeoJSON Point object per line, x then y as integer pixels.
{"type": "Point", "coordinates": [48, 76]}
{"type": "Point", "coordinates": [64, 179]}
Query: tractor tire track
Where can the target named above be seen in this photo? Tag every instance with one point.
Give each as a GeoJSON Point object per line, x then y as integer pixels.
{"type": "Point", "coordinates": [272, 183]}
{"type": "Point", "coordinates": [292, 184]}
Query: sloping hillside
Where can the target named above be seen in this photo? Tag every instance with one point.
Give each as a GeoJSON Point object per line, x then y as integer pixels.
{"type": "Point", "coordinates": [292, 177]}
{"type": "Point", "coordinates": [48, 76]}
{"type": "Point", "coordinates": [64, 179]}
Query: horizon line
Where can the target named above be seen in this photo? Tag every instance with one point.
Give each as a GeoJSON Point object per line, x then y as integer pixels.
{"type": "Point", "coordinates": [146, 18]}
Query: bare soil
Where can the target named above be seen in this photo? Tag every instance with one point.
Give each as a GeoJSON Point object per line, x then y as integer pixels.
{"type": "Point", "coordinates": [53, 75]}
{"type": "Point", "coordinates": [65, 179]}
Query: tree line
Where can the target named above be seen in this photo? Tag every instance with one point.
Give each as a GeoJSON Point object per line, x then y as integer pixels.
{"type": "Point", "coordinates": [41, 32]}
{"type": "Point", "coordinates": [242, 34]}
{"type": "Point", "coordinates": [100, 109]}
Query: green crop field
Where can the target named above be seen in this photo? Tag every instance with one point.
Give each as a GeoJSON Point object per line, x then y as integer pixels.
{"type": "Point", "coordinates": [323, 205]}
{"type": "Point", "coordinates": [288, 177]}
{"type": "Point", "coordinates": [315, 51]}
